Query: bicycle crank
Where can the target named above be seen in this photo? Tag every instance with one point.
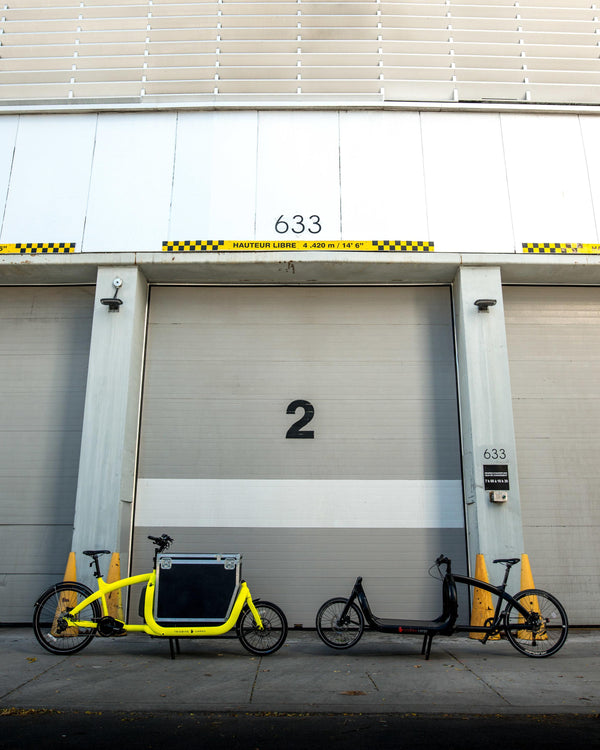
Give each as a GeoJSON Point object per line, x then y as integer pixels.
{"type": "Point", "coordinates": [108, 626]}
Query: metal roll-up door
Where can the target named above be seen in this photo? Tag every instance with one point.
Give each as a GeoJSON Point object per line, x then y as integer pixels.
{"type": "Point", "coordinates": [44, 351]}
{"type": "Point", "coordinates": [553, 338]}
{"type": "Point", "coordinates": [314, 430]}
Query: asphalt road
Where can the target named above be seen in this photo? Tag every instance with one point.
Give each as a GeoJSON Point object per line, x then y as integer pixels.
{"type": "Point", "coordinates": [87, 730]}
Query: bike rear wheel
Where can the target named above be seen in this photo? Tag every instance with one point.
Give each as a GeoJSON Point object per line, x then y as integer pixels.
{"type": "Point", "coordinates": [50, 609]}
{"type": "Point", "coordinates": [546, 628]}
{"type": "Point", "coordinates": [336, 633]}
{"type": "Point", "coordinates": [273, 633]}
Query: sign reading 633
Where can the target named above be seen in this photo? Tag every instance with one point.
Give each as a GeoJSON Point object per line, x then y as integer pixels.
{"type": "Point", "coordinates": [298, 224]}
{"type": "Point", "coordinates": [494, 454]}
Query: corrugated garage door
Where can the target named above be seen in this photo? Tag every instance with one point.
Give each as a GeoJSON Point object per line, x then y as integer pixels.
{"type": "Point", "coordinates": [44, 350]}
{"type": "Point", "coordinates": [554, 349]}
{"type": "Point", "coordinates": [371, 485]}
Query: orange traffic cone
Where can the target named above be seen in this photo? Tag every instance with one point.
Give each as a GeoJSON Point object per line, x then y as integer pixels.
{"type": "Point", "coordinates": [71, 569]}
{"type": "Point", "coordinates": [482, 608]}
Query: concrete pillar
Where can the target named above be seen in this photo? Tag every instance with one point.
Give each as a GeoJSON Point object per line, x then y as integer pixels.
{"type": "Point", "coordinates": [488, 438]}
{"type": "Point", "coordinates": [105, 487]}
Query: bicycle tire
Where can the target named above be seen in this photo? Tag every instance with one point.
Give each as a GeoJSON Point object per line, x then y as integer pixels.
{"type": "Point", "coordinates": [334, 634]}
{"type": "Point", "coordinates": [273, 634]}
{"type": "Point", "coordinates": [551, 626]}
{"type": "Point", "coordinates": [53, 604]}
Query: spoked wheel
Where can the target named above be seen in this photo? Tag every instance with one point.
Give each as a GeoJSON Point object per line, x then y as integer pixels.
{"type": "Point", "coordinates": [49, 626]}
{"type": "Point", "coordinates": [273, 633]}
{"type": "Point", "coordinates": [335, 632]}
{"type": "Point", "coordinates": [546, 628]}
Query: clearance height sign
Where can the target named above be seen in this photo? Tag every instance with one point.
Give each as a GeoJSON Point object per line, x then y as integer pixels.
{"type": "Point", "coordinates": [212, 246]}
{"type": "Point", "coordinates": [209, 246]}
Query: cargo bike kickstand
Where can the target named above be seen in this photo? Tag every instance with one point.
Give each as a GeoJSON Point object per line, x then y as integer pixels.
{"type": "Point", "coordinates": [186, 595]}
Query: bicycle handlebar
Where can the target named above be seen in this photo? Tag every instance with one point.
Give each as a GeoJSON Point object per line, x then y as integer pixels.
{"type": "Point", "coordinates": [163, 541]}
{"type": "Point", "coordinates": [443, 560]}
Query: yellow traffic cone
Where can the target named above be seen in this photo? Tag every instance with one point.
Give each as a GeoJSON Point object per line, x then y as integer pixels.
{"type": "Point", "coordinates": [482, 608]}
{"type": "Point", "coordinates": [68, 599]}
{"type": "Point", "coordinates": [114, 601]}
{"type": "Point", "coordinates": [526, 575]}
{"type": "Point", "coordinates": [529, 602]}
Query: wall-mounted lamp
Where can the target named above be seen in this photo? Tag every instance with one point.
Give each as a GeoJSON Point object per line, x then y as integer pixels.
{"type": "Point", "coordinates": [483, 305]}
{"type": "Point", "coordinates": [113, 302]}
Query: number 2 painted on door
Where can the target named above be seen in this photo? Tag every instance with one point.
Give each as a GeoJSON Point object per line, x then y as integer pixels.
{"type": "Point", "coordinates": [296, 430]}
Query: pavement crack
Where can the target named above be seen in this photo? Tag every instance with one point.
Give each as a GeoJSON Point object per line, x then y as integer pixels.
{"type": "Point", "coordinates": [372, 681]}
{"type": "Point", "coordinates": [254, 681]}
{"type": "Point", "coordinates": [32, 679]}
{"type": "Point", "coordinates": [477, 677]}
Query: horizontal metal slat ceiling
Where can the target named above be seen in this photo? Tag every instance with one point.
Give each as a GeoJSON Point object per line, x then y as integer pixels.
{"type": "Point", "coordinates": [68, 51]}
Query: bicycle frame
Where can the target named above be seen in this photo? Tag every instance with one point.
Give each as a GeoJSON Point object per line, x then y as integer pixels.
{"type": "Point", "coordinates": [151, 627]}
{"type": "Point", "coordinates": [500, 592]}
{"type": "Point", "coordinates": [421, 628]}
{"type": "Point", "coordinates": [359, 594]}
{"type": "Point", "coordinates": [442, 625]}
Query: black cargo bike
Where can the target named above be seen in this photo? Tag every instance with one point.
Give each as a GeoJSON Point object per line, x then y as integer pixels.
{"type": "Point", "coordinates": [533, 621]}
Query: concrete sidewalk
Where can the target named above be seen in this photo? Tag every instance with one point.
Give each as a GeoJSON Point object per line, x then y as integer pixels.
{"type": "Point", "coordinates": [381, 674]}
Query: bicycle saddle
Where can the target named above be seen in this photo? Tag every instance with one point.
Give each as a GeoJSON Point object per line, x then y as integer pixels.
{"type": "Point", "coordinates": [94, 552]}
{"type": "Point", "coordinates": [509, 560]}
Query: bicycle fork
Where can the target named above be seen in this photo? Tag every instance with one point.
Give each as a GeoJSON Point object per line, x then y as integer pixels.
{"type": "Point", "coordinates": [356, 592]}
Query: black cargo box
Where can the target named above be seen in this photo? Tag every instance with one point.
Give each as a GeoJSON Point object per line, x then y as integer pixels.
{"type": "Point", "coordinates": [195, 588]}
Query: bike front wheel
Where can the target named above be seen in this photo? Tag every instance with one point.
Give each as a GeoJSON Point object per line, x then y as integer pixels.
{"type": "Point", "coordinates": [50, 610]}
{"type": "Point", "coordinates": [334, 631]}
{"type": "Point", "coordinates": [272, 635]}
{"type": "Point", "coordinates": [545, 629]}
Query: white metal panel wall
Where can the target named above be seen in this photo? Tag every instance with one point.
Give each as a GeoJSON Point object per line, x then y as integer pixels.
{"type": "Point", "coordinates": [376, 491]}
{"type": "Point", "coordinates": [214, 175]}
{"type": "Point", "coordinates": [44, 348]}
{"type": "Point", "coordinates": [468, 182]}
{"type": "Point", "coordinates": [547, 177]}
{"type": "Point", "coordinates": [8, 134]}
{"type": "Point", "coordinates": [51, 166]}
{"type": "Point", "coordinates": [590, 131]}
{"type": "Point", "coordinates": [467, 197]}
{"type": "Point", "coordinates": [130, 184]}
{"type": "Point", "coordinates": [298, 170]}
{"type": "Point", "coordinates": [554, 348]}
{"type": "Point", "coordinates": [382, 186]}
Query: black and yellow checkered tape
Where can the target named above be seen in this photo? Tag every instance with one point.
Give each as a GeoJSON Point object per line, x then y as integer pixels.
{"type": "Point", "coordinates": [561, 248]}
{"type": "Point", "coordinates": [49, 248]}
{"type": "Point", "coordinates": [209, 246]}
{"type": "Point", "coordinates": [403, 246]}
{"type": "Point", "coordinates": [197, 246]}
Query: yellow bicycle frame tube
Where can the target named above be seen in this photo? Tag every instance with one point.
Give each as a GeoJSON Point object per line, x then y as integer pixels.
{"type": "Point", "coordinates": [151, 627]}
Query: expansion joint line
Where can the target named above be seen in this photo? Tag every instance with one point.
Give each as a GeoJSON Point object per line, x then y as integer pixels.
{"type": "Point", "coordinates": [258, 666]}
{"type": "Point", "coordinates": [33, 679]}
{"type": "Point", "coordinates": [477, 677]}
